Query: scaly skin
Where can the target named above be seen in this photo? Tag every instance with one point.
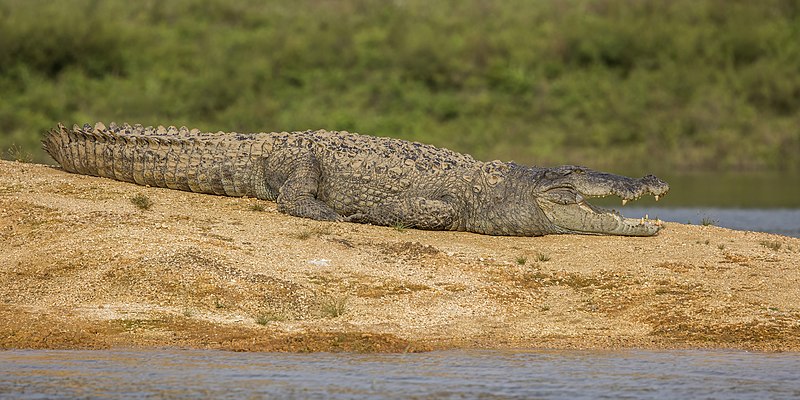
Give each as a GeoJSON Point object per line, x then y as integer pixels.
{"type": "Point", "coordinates": [341, 176]}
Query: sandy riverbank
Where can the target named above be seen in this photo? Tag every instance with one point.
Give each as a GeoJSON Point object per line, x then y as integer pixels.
{"type": "Point", "coordinates": [82, 266]}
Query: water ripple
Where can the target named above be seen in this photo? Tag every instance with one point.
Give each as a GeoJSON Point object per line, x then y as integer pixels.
{"type": "Point", "coordinates": [51, 374]}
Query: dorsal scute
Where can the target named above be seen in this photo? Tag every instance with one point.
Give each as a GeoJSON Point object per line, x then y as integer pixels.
{"type": "Point", "coordinates": [152, 141]}
{"type": "Point", "coordinates": [99, 134]}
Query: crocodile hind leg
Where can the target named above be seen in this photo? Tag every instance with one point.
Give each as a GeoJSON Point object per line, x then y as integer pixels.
{"type": "Point", "coordinates": [415, 212]}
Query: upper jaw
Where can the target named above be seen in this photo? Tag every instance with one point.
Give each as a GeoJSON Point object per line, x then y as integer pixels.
{"type": "Point", "coordinates": [600, 184]}
{"type": "Point", "coordinates": [575, 184]}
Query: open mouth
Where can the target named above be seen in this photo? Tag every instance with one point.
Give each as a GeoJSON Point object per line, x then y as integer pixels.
{"type": "Point", "coordinates": [586, 218]}
{"type": "Point", "coordinates": [568, 209]}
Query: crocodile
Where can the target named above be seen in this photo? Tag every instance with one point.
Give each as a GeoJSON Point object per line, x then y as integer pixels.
{"type": "Point", "coordinates": [342, 176]}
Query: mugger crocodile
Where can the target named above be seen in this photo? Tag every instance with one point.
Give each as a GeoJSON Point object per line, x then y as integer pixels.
{"type": "Point", "coordinates": [341, 176]}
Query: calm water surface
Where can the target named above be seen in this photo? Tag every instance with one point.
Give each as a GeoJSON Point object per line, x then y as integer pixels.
{"type": "Point", "coordinates": [447, 374]}
{"type": "Point", "coordinates": [783, 221]}
{"type": "Point", "coordinates": [734, 190]}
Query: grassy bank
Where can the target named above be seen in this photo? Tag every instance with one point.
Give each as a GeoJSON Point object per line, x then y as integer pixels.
{"type": "Point", "coordinates": [661, 85]}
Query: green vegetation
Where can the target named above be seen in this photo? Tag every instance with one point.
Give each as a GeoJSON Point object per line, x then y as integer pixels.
{"type": "Point", "coordinates": [521, 260]}
{"type": "Point", "coordinates": [267, 317]}
{"type": "Point", "coordinates": [258, 207]}
{"type": "Point", "coordinates": [141, 202]}
{"type": "Point", "coordinates": [333, 306]}
{"type": "Point", "coordinates": [773, 245]}
{"type": "Point", "coordinates": [16, 153]}
{"type": "Point", "coordinates": [542, 257]}
{"type": "Point", "coordinates": [218, 304]}
{"type": "Point", "coordinates": [400, 227]}
{"type": "Point", "coordinates": [303, 235]}
{"type": "Point", "coordinates": [678, 85]}
{"type": "Point", "coordinates": [314, 231]}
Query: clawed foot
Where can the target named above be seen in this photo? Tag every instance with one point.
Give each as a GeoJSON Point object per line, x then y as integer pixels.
{"type": "Point", "coordinates": [358, 217]}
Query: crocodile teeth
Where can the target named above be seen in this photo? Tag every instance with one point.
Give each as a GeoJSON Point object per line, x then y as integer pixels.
{"type": "Point", "coordinates": [624, 201]}
{"type": "Point", "coordinates": [656, 196]}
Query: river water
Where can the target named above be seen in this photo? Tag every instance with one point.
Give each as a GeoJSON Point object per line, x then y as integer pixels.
{"type": "Point", "coordinates": [447, 374]}
{"type": "Point", "coordinates": [172, 373]}
{"type": "Point", "coordinates": [783, 221]}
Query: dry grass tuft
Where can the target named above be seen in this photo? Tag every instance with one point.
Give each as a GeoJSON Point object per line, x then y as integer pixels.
{"type": "Point", "coordinates": [141, 202]}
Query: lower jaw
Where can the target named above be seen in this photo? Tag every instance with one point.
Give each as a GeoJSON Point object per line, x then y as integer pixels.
{"type": "Point", "coordinates": [591, 220]}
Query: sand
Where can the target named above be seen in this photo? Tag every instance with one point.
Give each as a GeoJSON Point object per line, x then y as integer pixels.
{"type": "Point", "coordinates": [84, 266]}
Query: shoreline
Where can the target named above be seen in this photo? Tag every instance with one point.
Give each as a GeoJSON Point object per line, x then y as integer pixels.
{"type": "Point", "coordinates": [83, 267]}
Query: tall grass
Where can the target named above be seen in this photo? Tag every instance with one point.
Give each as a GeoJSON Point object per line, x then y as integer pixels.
{"type": "Point", "coordinates": [616, 84]}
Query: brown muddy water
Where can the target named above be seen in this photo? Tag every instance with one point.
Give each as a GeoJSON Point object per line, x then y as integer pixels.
{"type": "Point", "coordinates": [120, 374]}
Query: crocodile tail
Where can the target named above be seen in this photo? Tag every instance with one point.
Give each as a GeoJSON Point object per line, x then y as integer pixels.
{"type": "Point", "coordinates": [214, 163]}
{"type": "Point", "coordinates": [68, 148]}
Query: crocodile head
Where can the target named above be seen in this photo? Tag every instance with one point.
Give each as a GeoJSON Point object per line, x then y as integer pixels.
{"type": "Point", "coordinates": [561, 194]}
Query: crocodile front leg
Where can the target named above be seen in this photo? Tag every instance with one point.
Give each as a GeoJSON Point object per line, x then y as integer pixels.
{"type": "Point", "coordinates": [298, 194]}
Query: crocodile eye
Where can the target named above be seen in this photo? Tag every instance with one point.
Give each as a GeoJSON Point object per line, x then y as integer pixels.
{"type": "Point", "coordinates": [562, 196]}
